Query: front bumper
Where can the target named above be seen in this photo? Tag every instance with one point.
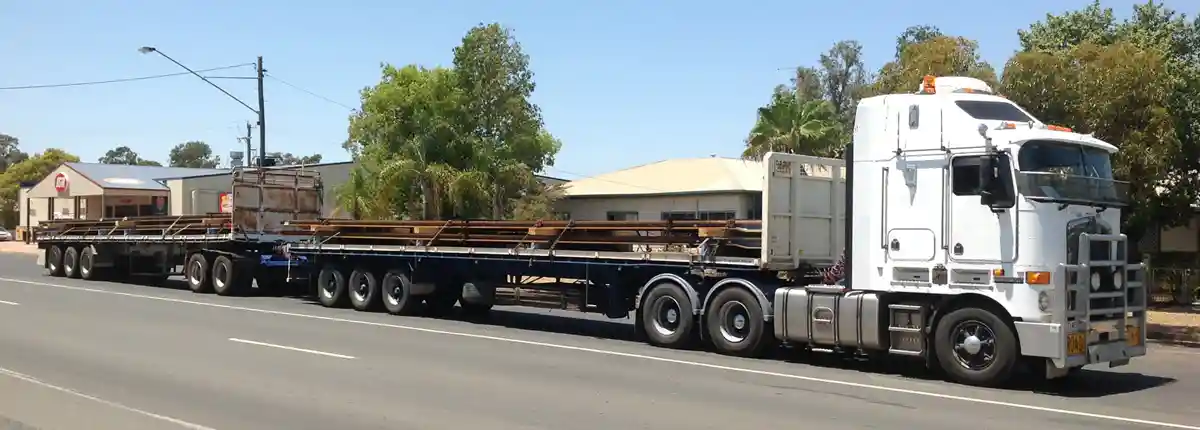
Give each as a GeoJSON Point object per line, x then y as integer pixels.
{"type": "Point", "coordinates": [1088, 325]}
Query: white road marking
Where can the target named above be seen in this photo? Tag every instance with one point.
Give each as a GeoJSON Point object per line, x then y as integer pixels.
{"type": "Point", "coordinates": [5, 302]}
{"type": "Point", "coordinates": [812, 379]}
{"type": "Point", "coordinates": [35, 381]}
{"type": "Point", "coordinates": [290, 348]}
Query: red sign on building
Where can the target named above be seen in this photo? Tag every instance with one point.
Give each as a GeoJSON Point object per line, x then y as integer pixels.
{"type": "Point", "coordinates": [61, 182]}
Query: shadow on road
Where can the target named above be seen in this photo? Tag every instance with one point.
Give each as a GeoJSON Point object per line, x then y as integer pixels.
{"type": "Point", "coordinates": [1084, 384]}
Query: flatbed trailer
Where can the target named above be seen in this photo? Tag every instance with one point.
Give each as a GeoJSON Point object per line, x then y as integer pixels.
{"type": "Point", "coordinates": [674, 276]}
{"type": "Point", "coordinates": [228, 253]}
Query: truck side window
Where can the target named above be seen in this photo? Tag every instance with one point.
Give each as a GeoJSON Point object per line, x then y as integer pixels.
{"type": "Point", "coordinates": [964, 175]}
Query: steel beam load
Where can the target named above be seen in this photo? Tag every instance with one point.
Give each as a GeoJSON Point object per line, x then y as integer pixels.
{"type": "Point", "coordinates": [138, 226]}
{"type": "Point", "coordinates": [598, 235]}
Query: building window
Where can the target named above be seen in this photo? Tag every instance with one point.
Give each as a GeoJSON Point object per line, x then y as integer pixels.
{"type": "Point", "coordinates": [699, 216]}
{"type": "Point", "coordinates": [621, 216]}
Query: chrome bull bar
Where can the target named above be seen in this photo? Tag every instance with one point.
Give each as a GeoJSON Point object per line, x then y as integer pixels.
{"type": "Point", "coordinates": [1101, 326]}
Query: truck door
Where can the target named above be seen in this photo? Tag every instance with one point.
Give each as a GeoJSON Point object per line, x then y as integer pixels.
{"type": "Point", "coordinates": [977, 234]}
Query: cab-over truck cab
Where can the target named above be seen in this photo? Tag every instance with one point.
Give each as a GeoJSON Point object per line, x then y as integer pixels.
{"type": "Point", "coordinates": [980, 238]}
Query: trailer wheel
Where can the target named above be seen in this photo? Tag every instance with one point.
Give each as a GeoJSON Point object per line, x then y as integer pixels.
{"type": "Point", "coordinates": [54, 261]}
{"type": "Point", "coordinates": [229, 278]}
{"type": "Point", "coordinates": [666, 317]}
{"type": "Point", "coordinates": [71, 262]}
{"type": "Point", "coordinates": [87, 261]}
{"type": "Point", "coordinates": [364, 290]}
{"type": "Point", "coordinates": [397, 294]}
{"type": "Point", "coordinates": [976, 347]}
{"type": "Point", "coordinates": [331, 287]}
{"type": "Point", "coordinates": [735, 324]}
{"type": "Point", "coordinates": [197, 273]}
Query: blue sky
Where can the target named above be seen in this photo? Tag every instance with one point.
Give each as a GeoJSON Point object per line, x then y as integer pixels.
{"type": "Point", "coordinates": [621, 82]}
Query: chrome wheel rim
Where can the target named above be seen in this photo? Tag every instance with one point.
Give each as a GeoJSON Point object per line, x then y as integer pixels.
{"type": "Point", "coordinates": [974, 345]}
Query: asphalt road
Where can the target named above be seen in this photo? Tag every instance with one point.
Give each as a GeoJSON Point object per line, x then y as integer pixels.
{"type": "Point", "coordinates": [77, 354]}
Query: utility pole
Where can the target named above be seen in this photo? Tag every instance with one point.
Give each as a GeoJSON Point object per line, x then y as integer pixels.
{"type": "Point", "coordinates": [249, 151]}
{"type": "Point", "coordinates": [262, 117]}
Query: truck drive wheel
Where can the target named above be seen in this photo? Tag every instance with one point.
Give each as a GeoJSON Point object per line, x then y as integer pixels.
{"type": "Point", "coordinates": [331, 287]}
{"type": "Point", "coordinates": [397, 294]}
{"type": "Point", "coordinates": [229, 278]}
{"type": "Point", "coordinates": [666, 317]}
{"type": "Point", "coordinates": [87, 260]}
{"type": "Point", "coordinates": [54, 261]}
{"type": "Point", "coordinates": [735, 324]}
{"type": "Point", "coordinates": [976, 347]}
{"type": "Point", "coordinates": [71, 262]}
{"type": "Point", "coordinates": [197, 273]}
{"type": "Point", "coordinates": [364, 290]}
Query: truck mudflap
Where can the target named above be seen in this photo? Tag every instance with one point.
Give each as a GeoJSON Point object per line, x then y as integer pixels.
{"type": "Point", "coordinates": [1099, 307]}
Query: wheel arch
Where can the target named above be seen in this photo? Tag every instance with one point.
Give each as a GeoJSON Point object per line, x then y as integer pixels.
{"type": "Point", "coordinates": [675, 279]}
{"type": "Point", "coordinates": [767, 310]}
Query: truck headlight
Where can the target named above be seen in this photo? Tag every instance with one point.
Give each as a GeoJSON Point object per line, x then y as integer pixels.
{"type": "Point", "coordinates": [1043, 301]}
{"type": "Point", "coordinates": [1119, 279]}
{"type": "Point", "coordinates": [1095, 281]}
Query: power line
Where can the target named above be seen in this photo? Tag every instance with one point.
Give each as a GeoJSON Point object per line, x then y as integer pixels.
{"type": "Point", "coordinates": [327, 99]}
{"type": "Point", "coordinates": [115, 81]}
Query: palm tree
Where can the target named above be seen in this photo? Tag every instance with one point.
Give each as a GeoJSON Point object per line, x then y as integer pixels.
{"type": "Point", "coordinates": [794, 126]}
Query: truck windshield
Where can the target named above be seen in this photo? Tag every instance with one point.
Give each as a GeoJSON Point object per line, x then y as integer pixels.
{"type": "Point", "coordinates": [1068, 173]}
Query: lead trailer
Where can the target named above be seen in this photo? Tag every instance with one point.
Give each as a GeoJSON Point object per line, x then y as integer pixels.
{"type": "Point", "coordinates": [229, 253]}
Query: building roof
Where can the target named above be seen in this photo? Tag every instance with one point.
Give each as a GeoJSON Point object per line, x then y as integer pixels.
{"type": "Point", "coordinates": [682, 176]}
{"type": "Point", "coordinates": [136, 177]}
{"type": "Point", "coordinates": [675, 176]}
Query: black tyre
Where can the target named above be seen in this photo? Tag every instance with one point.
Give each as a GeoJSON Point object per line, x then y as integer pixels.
{"type": "Point", "coordinates": [976, 347]}
{"type": "Point", "coordinates": [54, 261]}
{"type": "Point", "coordinates": [364, 290]}
{"type": "Point", "coordinates": [397, 294]}
{"type": "Point", "coordinates": [331, 287]}
{"type": "Point", "coordinates": [666, 317]}
{"type": "Point", "coordinates": [230, 278]}
{"type": "Point", "coordinates": [71, 262]}
{"type": "Point", "coordinates": [87, 263]}
{"type": "Point", "coordinates": [197, 273]}
{"type": "Point", "coordinates": [734, 321]}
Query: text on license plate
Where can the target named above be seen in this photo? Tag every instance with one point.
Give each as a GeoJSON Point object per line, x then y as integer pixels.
{"type": "Point", "coordinates": [1076, 343]}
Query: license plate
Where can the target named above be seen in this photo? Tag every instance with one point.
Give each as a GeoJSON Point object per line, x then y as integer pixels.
{"type": "Point", "coordinates": [1133, 335]}
{"type": "Point", "coordinates": [1076, 343]}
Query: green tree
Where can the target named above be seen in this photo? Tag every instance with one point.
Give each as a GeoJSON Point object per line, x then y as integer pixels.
{"type": "Point", "coordinates": [938, 56]}
{"type": "Point", "coordinates": [409, 139]}
{"type": "Point", "coordinates": [794, 125]}
{"type": "Point", "coordinates": [10, 152]}
{"type": "Point", "coordinates": [32, 169]}
{"type": "Point", "coordinates": [506, 126]}
{"type": "Point", "coordinates": [125, 155]}
{"type": "Point", "coordinates": [195, 154]}
{"type": "Point", "coordinates": [914, 35]}
{"type": "Point", "coordinates": [1134, 83]}
{"type": "Point", "coordinates": [538, 203]}
{"type": "Point", "coordinates": [287, 159]}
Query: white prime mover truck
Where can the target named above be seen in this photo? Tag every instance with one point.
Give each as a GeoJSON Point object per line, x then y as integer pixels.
{"type": "Point", "coordinates": [974, 236]}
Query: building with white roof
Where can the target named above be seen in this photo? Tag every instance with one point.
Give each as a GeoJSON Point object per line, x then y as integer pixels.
{"type": "Point", "coordinates": [708, 188]}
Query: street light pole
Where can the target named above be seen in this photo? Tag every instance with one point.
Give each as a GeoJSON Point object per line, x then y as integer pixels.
{"type": "Point", "coordinates": [261, 111]}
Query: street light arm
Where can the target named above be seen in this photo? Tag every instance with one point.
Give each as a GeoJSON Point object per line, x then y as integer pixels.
{"type": "Point", "coordinates": [147, 49]}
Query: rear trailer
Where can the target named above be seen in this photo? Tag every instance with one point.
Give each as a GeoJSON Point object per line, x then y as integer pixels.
{"type": "Point", "coordinates": [684, 281]}
{"type": "Point", "coordinates": [228, 252]}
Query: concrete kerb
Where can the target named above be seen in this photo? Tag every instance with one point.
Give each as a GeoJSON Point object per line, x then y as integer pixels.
{"type": "Point", "coordinates": [1184, 332]}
